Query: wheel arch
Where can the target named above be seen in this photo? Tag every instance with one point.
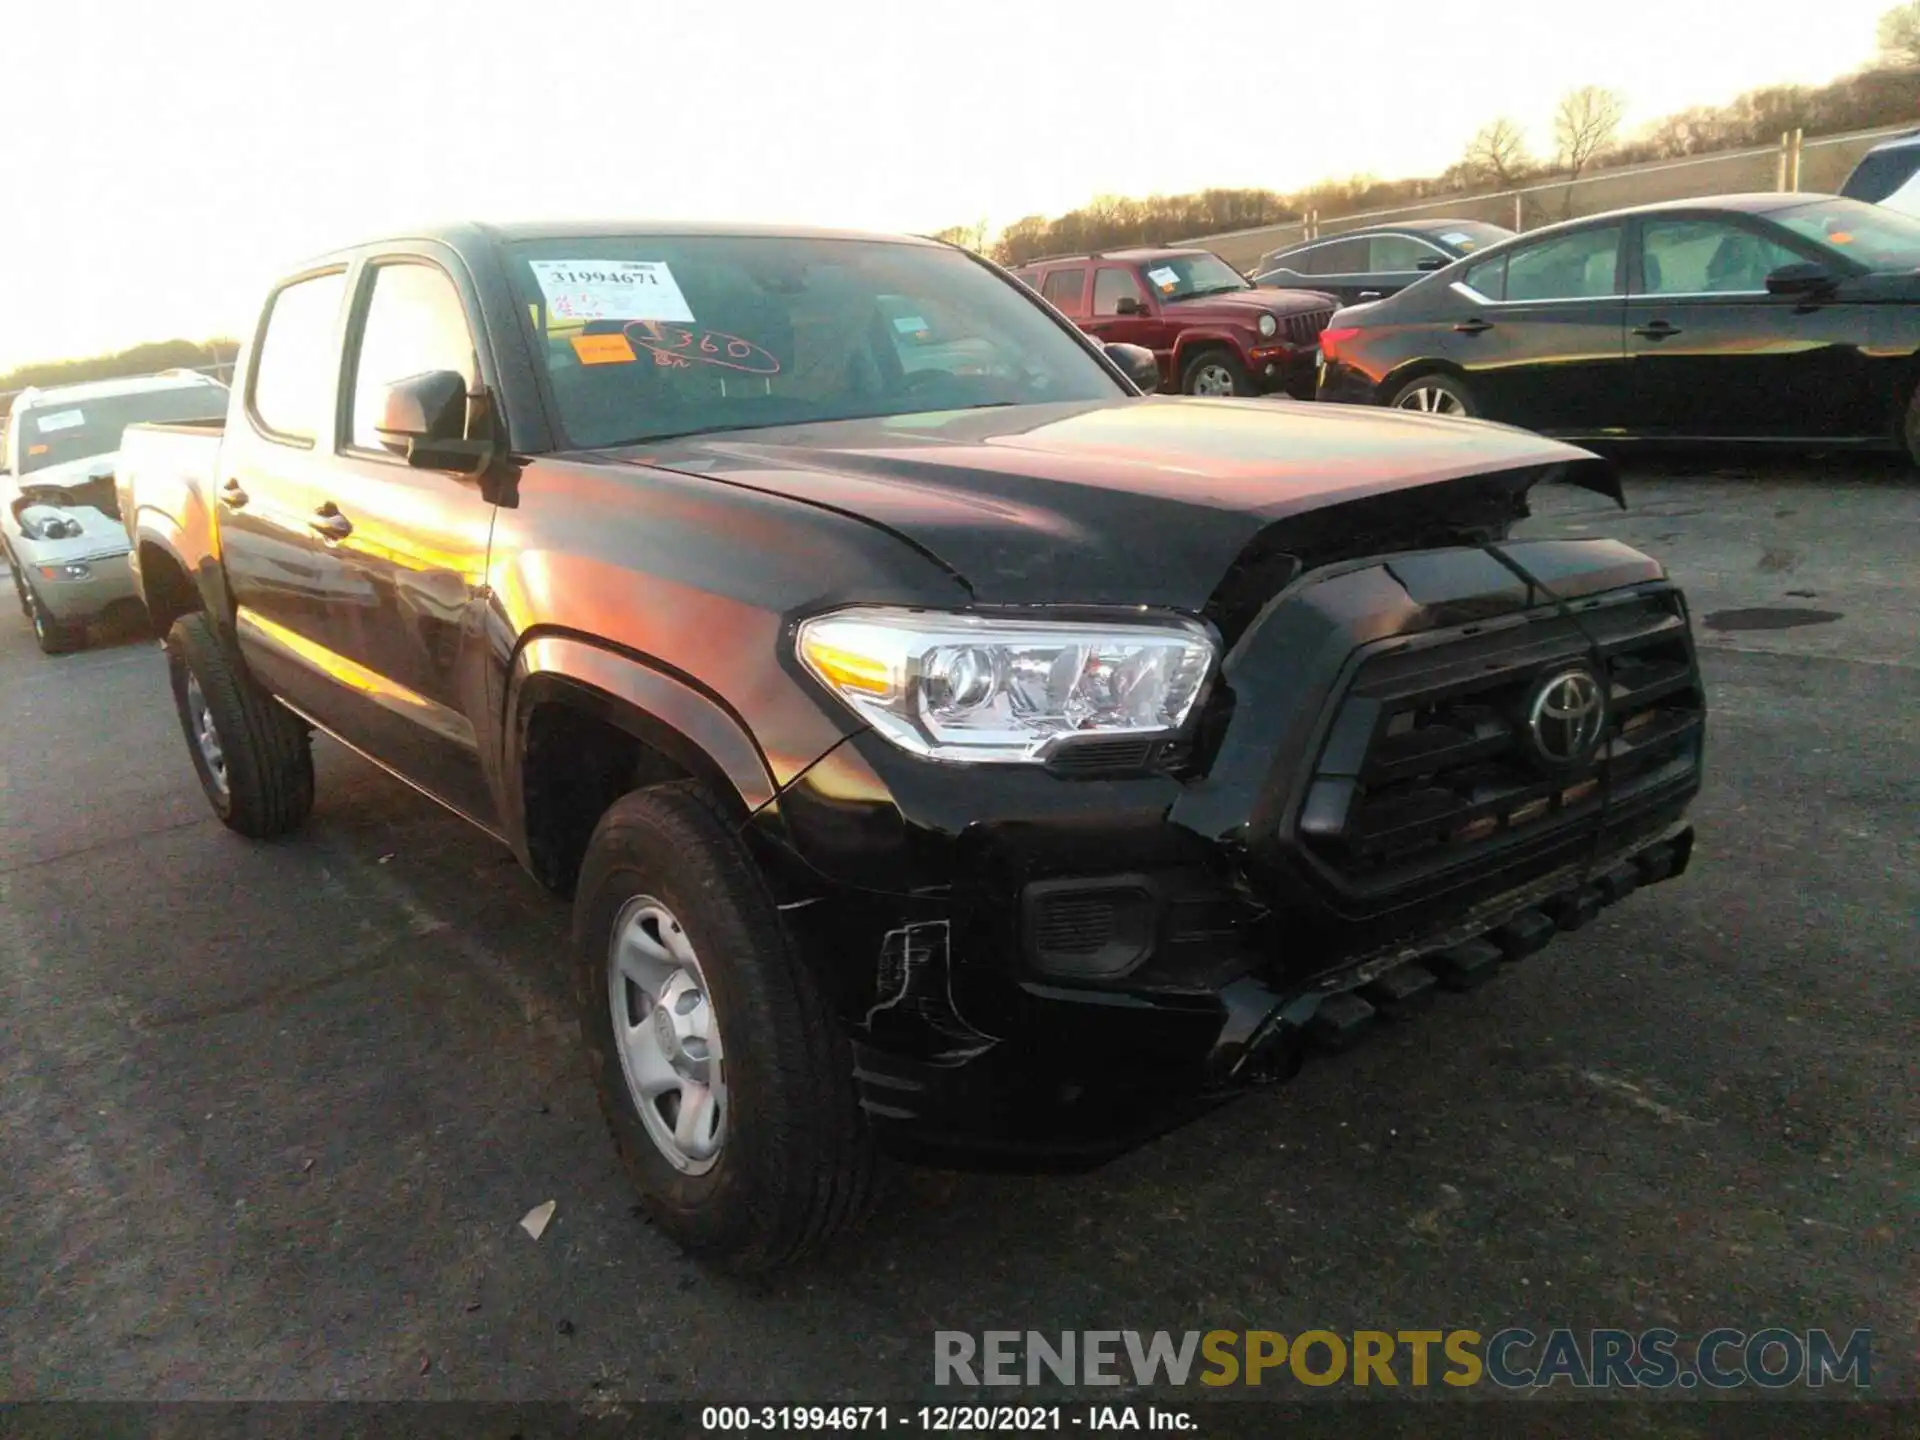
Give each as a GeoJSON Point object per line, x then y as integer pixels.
{"type": "Point", "coordinates": [1410, 370]}
{"type": "Point", "coordinates": [584, 724]}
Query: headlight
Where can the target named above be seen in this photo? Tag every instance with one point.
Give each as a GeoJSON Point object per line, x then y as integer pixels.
{"type": "Point", "coordinates": [1269, 326]}
{"type": "Point", "coordinates": [64, 572]}
{"type": "Point", "coordinates": [972, 688]}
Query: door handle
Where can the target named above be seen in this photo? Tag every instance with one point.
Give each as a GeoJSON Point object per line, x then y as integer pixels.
{"type": "Point", "coordinates": [1658, 330]}
{"type": "Point", "coordinates": [1474, 326]}
{"type": "Point", "coordinates": [231, 495]}
{"type": "Point", "coordinates": [329, 522]}
{"type": "Point", "coordinates": [1369, 294]}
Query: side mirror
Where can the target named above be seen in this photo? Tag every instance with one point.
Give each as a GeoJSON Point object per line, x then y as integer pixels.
{"type": "Point", "coordinates": [1802, 278]}
{"type": "Point", "coordinates": [1138, 364]}
{"type": "Point", "coordinates": [1129, 305]}
{"type": "Point", "coordinates": [424, 418]}
{"type": "Point", "coordinates": [1433, 262]}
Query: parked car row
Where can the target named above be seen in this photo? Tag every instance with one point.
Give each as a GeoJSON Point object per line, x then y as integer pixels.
{"type": "Point", "coordinates": [1769, 318]}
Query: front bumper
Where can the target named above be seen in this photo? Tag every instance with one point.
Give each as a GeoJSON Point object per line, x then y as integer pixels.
{"type": "Point", "coordinates": [109, 582]}
{"type": "Point", "coordinates": [1285, 369]}
{"type": "Point", "coordinates": [1042, 969]}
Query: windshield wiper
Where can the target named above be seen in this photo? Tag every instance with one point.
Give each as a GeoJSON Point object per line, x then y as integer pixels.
{"type": "Point", "coordinates": [1210, 290]}
{"type": "Point", "coordinates": [782, 424]}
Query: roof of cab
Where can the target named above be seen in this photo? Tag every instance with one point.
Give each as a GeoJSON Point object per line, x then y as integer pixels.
{"type": "Point", "coordinates": [480, 233]}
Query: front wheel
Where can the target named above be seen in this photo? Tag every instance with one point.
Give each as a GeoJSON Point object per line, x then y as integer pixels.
{"type": "Point", "coordinates": [1436, 395]}
{"type": "Point", "coordinates": [719, 1065]}
{"type": "Point", "coordinates": [1215, 372]}
{"type": "Point", "coordinates": [54, 637]}
{"type": "Point", "coordinates": [254, 758]}
{"type": "Point", "coordinates": [1911, 430]}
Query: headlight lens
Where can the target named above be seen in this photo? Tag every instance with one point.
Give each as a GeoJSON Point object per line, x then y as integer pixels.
{"type": "Point", "coordinates": [1269, 327]}
{"type": "Point", "coordinates": [974, 688]}
{"type": "Point", "coordinates": [64, 572]}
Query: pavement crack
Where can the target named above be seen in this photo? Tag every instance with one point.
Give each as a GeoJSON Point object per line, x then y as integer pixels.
{"type": "Point", "coordinates": [267, 998]}
{"type": "Point", "coordinates": [100, 845]}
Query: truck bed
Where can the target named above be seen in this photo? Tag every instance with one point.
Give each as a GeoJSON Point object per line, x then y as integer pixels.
{"type": "Point", "coordinates": [169, 468]}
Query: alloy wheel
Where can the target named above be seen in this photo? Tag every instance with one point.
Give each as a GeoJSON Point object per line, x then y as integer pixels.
{"type": "Point", "coordinates": [1432, 400]}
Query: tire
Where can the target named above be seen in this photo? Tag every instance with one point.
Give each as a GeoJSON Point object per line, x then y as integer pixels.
{"type": "Point", "coordinates": [20, 588]}
{"type": "Point", "coordinates": [1910, 429]}
{"type": "Point", "coordinates": [257, 771]}
{"type": "Point", "coordinates": [1435, 394]}
{"type": "Point", "coordinates": [55, 637]}
{"type": "Point", "coordinates": [1215, 372]}
{"type": "Point", "coordinates": [788, 1163]}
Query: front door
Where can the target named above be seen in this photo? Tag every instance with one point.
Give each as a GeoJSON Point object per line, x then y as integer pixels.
{"type": "Point", "coordinates": [1538, 332]}
{"type": "Point", "coordinates": [1712, 354]}
{"type": "Point", "coordinates": [1145, 326]}
{"type": "Point", "coordinates": [403, 552]}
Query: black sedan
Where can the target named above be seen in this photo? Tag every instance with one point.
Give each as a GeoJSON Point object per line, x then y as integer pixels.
{"type": "Point", "coordinates": [1781, 317]}
{"type": "Point", "coordinates": [1373, 263]}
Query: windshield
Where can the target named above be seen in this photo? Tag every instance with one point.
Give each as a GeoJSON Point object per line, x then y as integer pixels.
{"type": "Point", "coordinates": [643, 338]}
{"type": "Point", "coordinates": [1181, 277]}
{"type": "Point", "coordinates": [55, 431]}
{"type": "Point", "coordinates": [1878, 239]}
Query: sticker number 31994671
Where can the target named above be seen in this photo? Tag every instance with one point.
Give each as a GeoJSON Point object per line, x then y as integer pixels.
{"type": "Point", "coordinates": [610, 290]}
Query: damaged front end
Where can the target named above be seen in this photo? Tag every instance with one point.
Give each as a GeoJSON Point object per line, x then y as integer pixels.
{"type": "Point", "coordinates": [1415, 767]}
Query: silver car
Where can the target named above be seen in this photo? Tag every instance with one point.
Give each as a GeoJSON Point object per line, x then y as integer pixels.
{"type": "Point", "coordinates": [59, 521]}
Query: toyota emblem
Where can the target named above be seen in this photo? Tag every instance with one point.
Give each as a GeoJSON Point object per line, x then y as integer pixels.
{"type": "Point", "coordinates": [1565, 717]}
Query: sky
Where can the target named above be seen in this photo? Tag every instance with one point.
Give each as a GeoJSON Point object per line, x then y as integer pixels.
{"type": "Point", "coordinates": [168, 160]}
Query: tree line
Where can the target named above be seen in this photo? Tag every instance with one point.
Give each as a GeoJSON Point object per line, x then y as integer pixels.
{"type": "Point", "coordinates": [137, 360]}
{"type": "Point", "coordinates": [1585, 137]}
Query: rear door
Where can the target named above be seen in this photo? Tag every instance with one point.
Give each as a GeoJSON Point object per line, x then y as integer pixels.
{"type": "Point", "coordinates": [1341, 268]}
{"type": "Point", "coordinates": [271, 462]}
{"type": "Point", "coordinates": [1538, 330]}
{"type": "Point", "coordinates": [403, 551]}
{"type": "Point", "coordinates": [1712, 354]}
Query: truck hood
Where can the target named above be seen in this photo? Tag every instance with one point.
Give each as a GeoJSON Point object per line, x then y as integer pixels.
{"type": "Point", "coordinates": [1248, 303]}
{"type": "Point", "coordinates": [1136, 501]}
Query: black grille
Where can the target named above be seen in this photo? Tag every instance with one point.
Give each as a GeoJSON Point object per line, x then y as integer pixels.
{"type": "Point", "coordinates": [1305, 327]}
{"type": "Point", "coordinates": [1075, 924]}
{"type": "Point", "coordinates": [1428, 763]}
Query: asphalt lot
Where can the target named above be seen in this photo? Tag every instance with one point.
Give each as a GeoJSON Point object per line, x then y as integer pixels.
{"type": "Point", "coordinates": [269, 1116]}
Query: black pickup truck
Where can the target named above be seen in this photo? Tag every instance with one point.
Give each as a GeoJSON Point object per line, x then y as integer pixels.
{"type": "Point", "coordinates": [947, 747]}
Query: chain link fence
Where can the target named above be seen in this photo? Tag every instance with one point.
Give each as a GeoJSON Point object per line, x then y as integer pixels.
{"type": "Point", "coordinates": [1823, 163]}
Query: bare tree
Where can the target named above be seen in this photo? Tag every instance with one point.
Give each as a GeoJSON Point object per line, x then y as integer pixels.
{"type": "Point", "coordinates": [1585, 124]}
{"type": "Point", "coordinates": [1498, 154]}
{"type": "Point", "coordinates": [967, 237]}
{"type": "Point", "coordinates": [1900, 34]}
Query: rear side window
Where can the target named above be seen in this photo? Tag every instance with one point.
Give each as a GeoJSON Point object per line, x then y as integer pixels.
{"type": "Point", "coordinates": [295, 368]}
{"type": "Point", "coordinates": [1336, 257]}
{"type": "Point", "coordinates": [1581, 266]}
{"type": "Point", "coordinates": [415, 323]}
{"type": "Point", "coordinates": [1064, 288]}
{"type": "Point", "coordinates": [1488, 278]}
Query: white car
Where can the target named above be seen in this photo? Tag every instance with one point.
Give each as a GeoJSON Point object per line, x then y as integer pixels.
{"type": "Point", "coordinates": [59, 520]}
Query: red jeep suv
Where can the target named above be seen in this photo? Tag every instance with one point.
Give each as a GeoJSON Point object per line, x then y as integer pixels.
{"type": "Point", "coordinates": [1212, 331]}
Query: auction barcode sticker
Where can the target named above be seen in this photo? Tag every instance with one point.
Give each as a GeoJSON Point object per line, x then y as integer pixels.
{"type": "Point", "coordinates": [610, 290]}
